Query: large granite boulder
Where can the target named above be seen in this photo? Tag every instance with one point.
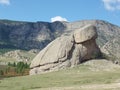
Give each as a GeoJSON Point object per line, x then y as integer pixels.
{"type": "Point", "coordinates": [67, 51]}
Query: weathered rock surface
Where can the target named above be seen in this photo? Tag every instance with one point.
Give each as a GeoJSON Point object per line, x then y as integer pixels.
{"type": "Point", "coordinates": [112, 49]}
{"type": "Point", "coordinates": [67, 51]}
{"type": "Point", "coordinates": [82, 35]}
{"type": "Point", "coordinates": [108, 36]}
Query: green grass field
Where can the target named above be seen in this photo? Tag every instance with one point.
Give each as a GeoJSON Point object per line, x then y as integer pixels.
{"type": "Point", "coordinates": [77, 78]}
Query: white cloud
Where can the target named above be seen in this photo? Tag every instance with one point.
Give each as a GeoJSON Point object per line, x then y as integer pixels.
{"type": "Point", "coordinates": [58, 18]}
{"type": "Point", "coordinates": [5, 2]}
{"type": "Point", "coordinates": [112, 5]}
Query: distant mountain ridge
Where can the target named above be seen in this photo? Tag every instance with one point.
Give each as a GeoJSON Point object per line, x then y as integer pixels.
{"type": "Point", "coordinates": [28, 35]}
{"type": "Point", "coordinates": [36, 35]}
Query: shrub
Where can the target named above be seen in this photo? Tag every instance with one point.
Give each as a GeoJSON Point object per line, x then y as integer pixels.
{"type": "Point", "coordinates": [1, 72]}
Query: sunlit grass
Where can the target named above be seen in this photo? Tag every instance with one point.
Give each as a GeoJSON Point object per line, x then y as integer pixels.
{"type": "Point", "coordinates": [80, 75]}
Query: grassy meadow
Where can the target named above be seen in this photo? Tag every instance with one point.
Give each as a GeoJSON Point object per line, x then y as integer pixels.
{"type": "Point", "coordinates": [78, 78]}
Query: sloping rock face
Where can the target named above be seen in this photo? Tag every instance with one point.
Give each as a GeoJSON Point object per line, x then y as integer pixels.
{"type": "Point", "coordinates": [112, 49]}
{"type": "Point", "coordinates": [67, 51]}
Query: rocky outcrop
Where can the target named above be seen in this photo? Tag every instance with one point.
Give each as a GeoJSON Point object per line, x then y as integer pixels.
{"type": "Point", "coordinates": [67, 51]}
{"type": "Point", "coordinates": [112, 49]}
{"type": "Point", "coordinates": [36, 35]}
{"type": "Point", "coordinates": [108, 36]}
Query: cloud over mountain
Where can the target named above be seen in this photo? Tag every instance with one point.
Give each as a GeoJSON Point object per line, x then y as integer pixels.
{"type": "Point", "coordinates": [58, 18]}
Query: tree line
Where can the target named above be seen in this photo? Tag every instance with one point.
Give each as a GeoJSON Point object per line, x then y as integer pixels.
{"type": "Point", "coordinates": [16, 68]}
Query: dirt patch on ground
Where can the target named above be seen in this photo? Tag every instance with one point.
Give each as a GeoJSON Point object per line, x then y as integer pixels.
{"type": "Point", "coordinates": [113, 86]}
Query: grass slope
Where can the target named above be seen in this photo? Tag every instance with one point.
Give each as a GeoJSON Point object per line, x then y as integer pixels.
{"type": "Point", "coordinates": [72, 78]}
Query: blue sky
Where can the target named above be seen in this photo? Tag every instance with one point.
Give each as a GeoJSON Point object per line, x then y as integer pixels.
{"type": "Point", "coordinates": [68, 10]}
